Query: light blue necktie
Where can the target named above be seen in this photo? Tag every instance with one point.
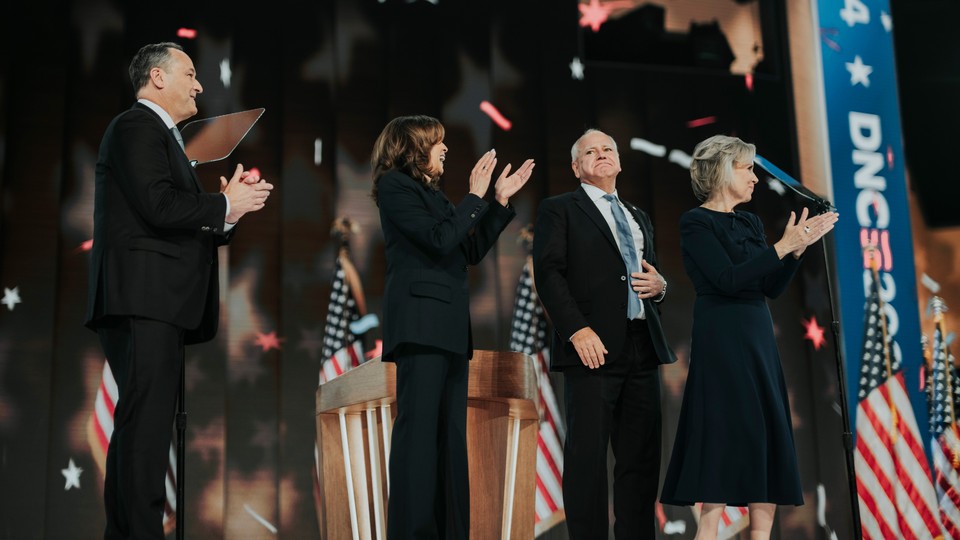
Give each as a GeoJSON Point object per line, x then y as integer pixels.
{"type": "Point", "coordinates": [628, 252]}
{"type": "Point", "coordinates": [176, 135]}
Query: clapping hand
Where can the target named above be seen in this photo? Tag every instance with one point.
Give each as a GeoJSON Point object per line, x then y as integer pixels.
{"type": "Point", "coordinates": [507, 186]}
{"type": "Point", "coordinates": [803, 231]}
{"type": "Point", "coordinates": [481, 173]}
{"type": "Point", "coordinates": [246, 192]}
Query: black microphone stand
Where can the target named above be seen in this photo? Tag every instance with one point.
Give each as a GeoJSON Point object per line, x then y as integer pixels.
{"type": "Point", "coordinates": [823, 206]}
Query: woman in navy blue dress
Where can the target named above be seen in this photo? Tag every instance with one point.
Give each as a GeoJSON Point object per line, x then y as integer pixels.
{"type": "Point", "coordinates": [734, 443]}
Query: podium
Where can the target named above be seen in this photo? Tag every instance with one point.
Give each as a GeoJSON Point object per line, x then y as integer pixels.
{"type": "Point", "coordinates": [355, 413]}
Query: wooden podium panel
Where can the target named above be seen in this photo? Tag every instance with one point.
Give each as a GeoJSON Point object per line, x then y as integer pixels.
{"type": "Point", "coordinates": [355, 413]}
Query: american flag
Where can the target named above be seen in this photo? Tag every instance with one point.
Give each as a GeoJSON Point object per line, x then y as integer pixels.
{"type": "Point", "coordinates": [100, 429]}
{"type": "Point", "coordinates": [529, 336]}
{"type": "Point", "coordinates": [944, 442]}
{"type": "Point", "coordinates": [897, 498]}
{"type": "Point", "coordinates": [341, 348]}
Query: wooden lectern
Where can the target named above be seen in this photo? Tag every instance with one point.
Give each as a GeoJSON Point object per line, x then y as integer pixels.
{"type": "Point", "coordinates": [355, 414]}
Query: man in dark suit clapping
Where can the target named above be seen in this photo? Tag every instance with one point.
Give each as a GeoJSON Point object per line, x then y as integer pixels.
{"type": "Point", "coordinates": [595, 270]}
{"type": "Point", "coordinates": [153, 275]}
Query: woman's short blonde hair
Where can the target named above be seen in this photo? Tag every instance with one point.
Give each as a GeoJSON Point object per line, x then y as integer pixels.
{"type": "Point", "coordinates": [713, 162]}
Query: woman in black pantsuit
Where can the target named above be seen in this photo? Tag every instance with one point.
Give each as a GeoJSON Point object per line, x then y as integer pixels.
{"type": "Point", "coordinates": [734, 441]}
{"type": "Point", "coordinates": [426, 317]}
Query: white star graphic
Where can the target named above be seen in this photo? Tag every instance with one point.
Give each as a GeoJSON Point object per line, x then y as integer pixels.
{"type": "Point", "coordinates": [72, 474]}
{"type": "Point", "coordinates": [859, 72]}
{"type": "Point", "coordinates": [225, 72]}
{"type": "Point", "coordinates": [576, 69]}
{"type": "Point", "coordinates": [886, 20]}
{"type": "Point", "coordinates": [11, 297]}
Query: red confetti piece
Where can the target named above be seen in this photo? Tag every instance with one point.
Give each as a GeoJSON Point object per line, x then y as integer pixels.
{"type": "Point", "coordinates": [701, 121]}
{"type": "Point", "coordinates": [830, 43]}
{"type": "Point", "coordinates": [495, 115]}
{"type": "Point", "coordinates": [187, 33]}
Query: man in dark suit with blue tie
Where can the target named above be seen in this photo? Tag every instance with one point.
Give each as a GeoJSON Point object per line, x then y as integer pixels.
{"type": "Point", "coordinates": [595, 272]}
{"type": "Point", "coordinates": [153, 284]}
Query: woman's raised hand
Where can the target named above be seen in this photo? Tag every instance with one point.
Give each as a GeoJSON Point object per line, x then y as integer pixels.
{"type": "Point", "coordinates": [803, 231]}
{"type": "Point", "coordinates": [481, 173]}
{"type": "Point", "coordinates": [814, 229]}
{"type": "Point", "coordinates": [507, 186]}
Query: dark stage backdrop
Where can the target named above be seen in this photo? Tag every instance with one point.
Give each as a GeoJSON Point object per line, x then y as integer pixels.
{"type": "Point", "coordinates": [330, 74]}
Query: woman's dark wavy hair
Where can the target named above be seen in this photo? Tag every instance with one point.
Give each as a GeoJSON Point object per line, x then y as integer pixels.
{"type": "Point", "coordinates": [404, 145]}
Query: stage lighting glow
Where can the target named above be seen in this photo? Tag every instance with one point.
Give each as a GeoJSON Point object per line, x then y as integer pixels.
{"type": "Point", "coordinates": [186, 33]}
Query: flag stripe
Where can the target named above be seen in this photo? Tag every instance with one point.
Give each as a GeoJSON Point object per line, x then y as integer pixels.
{"type": "Point", "coordinates": [873, 525]}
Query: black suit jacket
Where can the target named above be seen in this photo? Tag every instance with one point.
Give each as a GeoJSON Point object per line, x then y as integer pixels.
{"type": "Point", "coordinates": [581, 278]}
{"type": "Point", "coordinates": [155, 232]}
{"type": "Point", "coordinates": [429, 244]}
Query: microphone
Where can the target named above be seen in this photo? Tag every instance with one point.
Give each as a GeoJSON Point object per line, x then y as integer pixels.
{"type": "Point", "coordinates": [821, 205]}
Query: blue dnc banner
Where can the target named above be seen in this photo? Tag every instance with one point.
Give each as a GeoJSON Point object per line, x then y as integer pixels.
{"type": "Point", "coordinates": [866, 162]}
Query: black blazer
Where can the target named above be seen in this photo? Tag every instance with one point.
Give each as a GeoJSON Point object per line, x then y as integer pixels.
{"type": "Point", "coordinates": [155, 231]}
{"type": "Point", "coordinates": [581, 277]}
{"type": "Point", "coordinates": [429, 244]}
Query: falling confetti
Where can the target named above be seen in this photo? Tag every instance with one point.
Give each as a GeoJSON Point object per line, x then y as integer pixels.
{"type": "Point", "coordinates": [701, 121]}
{"type": "Point", "coordinates": [648, 147]}
{"type": "Point", "coordinates": [495, 115]}
{"type": "Point", "coordinates": [269, 526]}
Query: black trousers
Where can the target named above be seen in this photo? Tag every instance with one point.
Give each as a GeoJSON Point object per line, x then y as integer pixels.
{"type": "Point", "coordinates": [429, 475]}
{"type": "Point", "coordinates": [617, 403]}
{"type": "Point", "coordinates": [146, 357]}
